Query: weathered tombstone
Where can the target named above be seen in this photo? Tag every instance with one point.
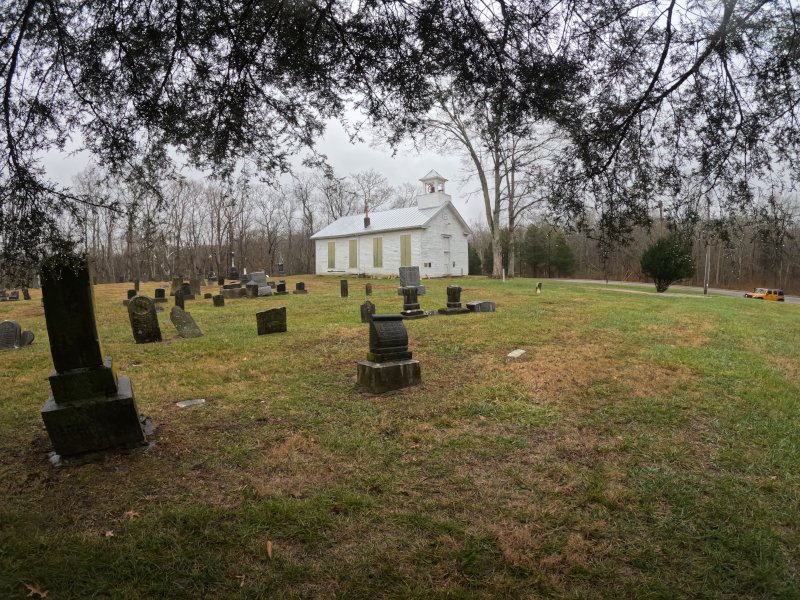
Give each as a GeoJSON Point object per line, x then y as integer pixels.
{"type": "Point", "coordinates": [272, 320]}
{"type": "Point", "coordinates": [131, 294]}
{"type": "Point", "coordinates": [13, 295]}
{"type": "Point", "coordinates": [259, 277]}
{"type": "Point", "coordinates": [26, 338]}
{"type": "Point", "coordinates": [10, 332]}
{"type": "Point", "coordinates": [220, 280]}
{"type": "Point", "coordinates": [251, 289]}
{"type": "Point", "coordinates": [208, 295]}
{"type": "Point", "coordinates": [367, 310]}
{"type": "Point", "coordinates": [26, 294]}
{"type": "Point", "coordinates": [186, 288]}
{"type": "Point", "coordinates": [233, 274]}
{"type": "Point", "coordinates": [179, 299]}
{"type": "Point", "coordinates": [136, 284]}
{"type": "Point", "coordinates": [300, 288]}
{"type": "Point", "coordinates": [219, 300]}
{"type": "Point", "coordinates": [194, 284]}
{"type": "Point", "coordinates": [144, 321]}
{"type": "Point", "coordinates": [453, 302]}
{"type": "Point", "coordinates": [343, 288]}
{"type": "Point", "coordinates": [184, 323]}
{"type": "Point", "coordinates": [90, 409]}
{"type": "Point", "coordinates": [175, 285]}
{"type": "Point", "coordinates": [281, 288]}
{"type": "Point", "coordinates": [409, 277]}
{"type": "Point", "coordinates": [280, 269]}
{"type": "Point", "coordinates": [265, 290]}
{"type": "Point", "coordinates": [161, 295]}
{"type": "Point", "coordinates": [481, 306]}
{"type": "Point", "coordinates": [411, 308]}
{"type": "Point", "coordinates": [368, 289]}
{"type": "Point", "coordinates": [389, 365]}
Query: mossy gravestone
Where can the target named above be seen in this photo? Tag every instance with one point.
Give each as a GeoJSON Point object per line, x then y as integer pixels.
{"type": "Point", "coordinates": [272, 320]}
{"type": "Point", "coordinates": [184, 323]}
{"type": "Point", "coordinates": [144, 320]}
{"type": "Point", "coordinates": [90, 409]}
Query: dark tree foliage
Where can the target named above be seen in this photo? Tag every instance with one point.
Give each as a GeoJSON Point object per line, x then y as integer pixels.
{"type": "Point", "coordinates": [655, 97]}
{"type": "Point", "coordinates": [474, 260]}
{"type": "Point", "coordinates": [547, 252]}
{"type": "Point", "coordinates": [667, 260]}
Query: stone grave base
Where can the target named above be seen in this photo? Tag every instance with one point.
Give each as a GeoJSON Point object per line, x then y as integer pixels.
{"type": "Point", "coordinates": [414, 314]}
{"type": "Point", "coordinates": [420, 290]}
{"type": "Point", "coordinates": [453, 311]}
{"type": "Point", "coordinates": [300, 291]}
{"type": "Point", "coordinates": [96, 424]}
{"type": "Point", "coordinates": [387, 376]}
{"type": "Point", "coordinates": [160, 299]}
{"type": "Point", "coordinates": [481, 306]}
{"type": "Point", "coordinates": [77, 384]}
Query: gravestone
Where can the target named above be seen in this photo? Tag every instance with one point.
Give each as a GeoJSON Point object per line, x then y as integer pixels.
{"type": "Point", "coordinates": [389, 365]}
{"type": "Point", "coordinates": [136, 285]}
{"type": "Point", "coordinates": [26, 294]}
{"type": "Point", "coordinates": [195, 284]}
{"type": "Point", "coordinates": [367, 310]}
{"type": "Point", "coordinates": [179, 299]}
{"type": "Point", "coordinates": [411, 308]}
{"type": "Point", "coordinates": [453, 302]}
{"type": "Point", "coordinates": [144, 320]}
{"type": "Point", "coordinates": [259, 277]}
{"type": "Point", "coordinates": [184, 323]}
{"type": "Point", "coordinates": [272, 320]}
{"type": "Point", "coordinates": [265, 290]}
{"type": "Point", "coordinates": [343, 288]}
{"type": "Point", "coordinates": [10, 332]}
{"type": "Point", "coordinates": [280, 269]}
{"type": "Point", "coordinates": [219, 300]}
{"type": "Point", "coordinates": [26, 338]}
{"type": "Point", "coordinates": [131, 294]}
{"type": "Point", "coordinates": [368, 289]}
{"type": "Point", "coordinates": [481, 306]}
{"type": "Point", "coordinates": [300, 288]}
{"type": "Point", "coordinates": [220, 280]}
{"type": "Point", "coordinates": [186, 288]}
{"type": "Point", "coordinates": [175, 285]}
{"type": "Point", "coordinates": [161, 295]}
{"type": "Point", "coordinates": [235, 292]}
{"type": "Point", "coordinates": [281, 288]}
{"type": "Point", "coordinates": [208, 295]}
{"type": "Point", "coordinates": [409, 277]}
{"type": "Point", "coordinates": [245, 278]}
{"type": "Point", "coordinates": [13, 295]}
{"type": "Point", "coordinates": [251, 289]}
{"type": "Point", "coordinates": [233, 274]}
{"type": "Point", "coordinates": [90, 408]}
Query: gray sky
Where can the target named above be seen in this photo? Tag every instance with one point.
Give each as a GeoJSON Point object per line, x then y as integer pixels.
{"type": "Point", "coordinates": [408, 165]}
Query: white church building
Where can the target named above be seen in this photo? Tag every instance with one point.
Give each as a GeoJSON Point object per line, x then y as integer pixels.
{"type": "Point", "coordinates": [431, 235]}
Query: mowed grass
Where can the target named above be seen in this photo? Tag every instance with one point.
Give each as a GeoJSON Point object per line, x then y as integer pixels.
{"type": "Point", "coordinates": [644, 447]}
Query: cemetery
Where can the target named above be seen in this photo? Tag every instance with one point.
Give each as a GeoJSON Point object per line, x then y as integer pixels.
{"type": "Point", "coordinates": [297, 444]}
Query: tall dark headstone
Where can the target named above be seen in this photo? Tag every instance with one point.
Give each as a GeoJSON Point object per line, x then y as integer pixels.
{"type": "Point", "coordinates": [368, 289]}
{"type": "Point", "coordinates": [220, 280]}
{"type": "Point", "coordinates": [90, 409]}
{"type": "Point", "coordinates": [367, 310]}
{"type": "Point", "coordinates": [343, 288]}
{"type": "Point", "coordinates": [389, 364]}
{"type": "Point", "coordinates": [144, 320]}
{"type": "Point", "coordinates": [161, 295]}
{"type": "Point", "coordinates": [411, 308]}
{"type": "Point", "coordinates": [272, 320]}
{"type": "Point", "coordinates": [136, 284]}
{"type": "Point", "coordinates": [179, 298]}
{"type": "Point", "coordinates": [131, 294]}
{"type": "Point", "coordinates": [300, 288]}
{"type": "Point", "coordinates": [281, 289]}
{"type": "Point", "coordinates": [453, 302]}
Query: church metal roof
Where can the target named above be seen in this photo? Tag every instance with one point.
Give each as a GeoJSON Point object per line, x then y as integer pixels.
{"type": "Point", "coordinates": [385, 220]}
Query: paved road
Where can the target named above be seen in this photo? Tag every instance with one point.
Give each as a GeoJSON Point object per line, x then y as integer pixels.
{"type": "Point", "coordinates": [688, 288]}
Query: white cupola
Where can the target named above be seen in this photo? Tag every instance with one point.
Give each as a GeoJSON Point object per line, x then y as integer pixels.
{"type": "Point", "coordinates": [433, 193]}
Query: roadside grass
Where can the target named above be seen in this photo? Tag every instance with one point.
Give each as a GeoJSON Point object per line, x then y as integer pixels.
{"type": "Point", "coordinates": [643, 447]}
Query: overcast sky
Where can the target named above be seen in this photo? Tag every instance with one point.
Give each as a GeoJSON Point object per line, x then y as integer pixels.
{"type": "Point", "coordinates": [407, 165]}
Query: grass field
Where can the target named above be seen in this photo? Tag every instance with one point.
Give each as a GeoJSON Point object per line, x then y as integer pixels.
{"type": "Point", "coordinates": [644, 447]}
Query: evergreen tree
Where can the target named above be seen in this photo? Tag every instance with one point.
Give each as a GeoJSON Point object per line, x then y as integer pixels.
{"type": "Point", "coordinates": [668, 260]}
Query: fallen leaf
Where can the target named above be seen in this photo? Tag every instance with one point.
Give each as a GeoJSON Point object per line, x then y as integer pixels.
{"type": "Point", "coordinates": [241, 579]}
{"type": "Point", "coordinates": [109, 533]}
{"type": "Point", "coordinates": [269, 549]}
{"type": "Point", "coordinates": [130, 514]}
{"type": "Point", "coordinates": [35, 589]}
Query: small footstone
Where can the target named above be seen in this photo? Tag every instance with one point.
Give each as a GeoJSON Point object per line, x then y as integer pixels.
{"type": "Point", "coordinates": [208, 295]}
{"type": "Point", "coordinates": [300, 288]}
{"type": "Point", "coordinates": [219, 300]}
{"type": "Point", "coordinates": [515, 353]}
{"type": "Point", "coordinates": [184, 323]}
{"type": "Point", "coordinates": [481, 306]}
{"type": "Point", "coordinates": [26, 338]}
{"type": "Point", "coordinates": [272, 320]}
{"type": "Point", "coordinates": [343, 288]}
